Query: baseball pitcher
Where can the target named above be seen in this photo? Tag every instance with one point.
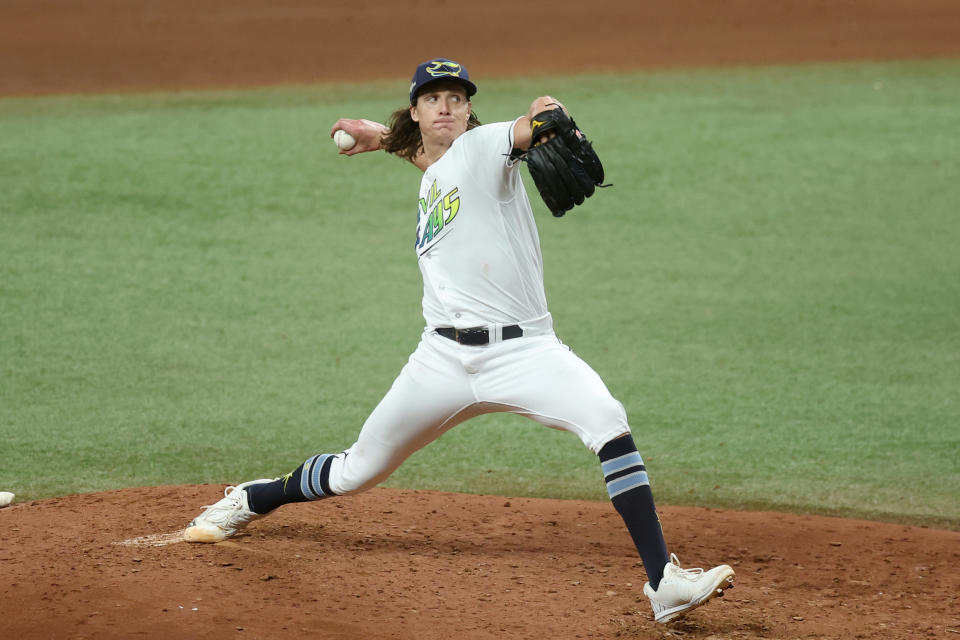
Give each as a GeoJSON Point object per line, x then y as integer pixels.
{"type": "Point", "coordinates": [488, 343]}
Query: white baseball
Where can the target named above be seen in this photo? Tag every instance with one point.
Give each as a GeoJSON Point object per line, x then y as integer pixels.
{"type": "Point", "coordinates": [343, 140]}
{"type": "Point", "coordinates": [5, 498]}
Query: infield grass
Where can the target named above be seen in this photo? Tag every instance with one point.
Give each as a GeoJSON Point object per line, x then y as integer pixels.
{"type": "Point", "coordinates": [195, 288]}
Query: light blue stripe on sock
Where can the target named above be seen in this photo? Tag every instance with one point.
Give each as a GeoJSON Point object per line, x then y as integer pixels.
{"type": "Point", "coordinates": [304, 484]}
{"type": "Point", "coordinates": [627, 482]}
{"type": "Point", "coordinates": [311, 470]}
{"type": "Point", "coordinates": [632, 459]}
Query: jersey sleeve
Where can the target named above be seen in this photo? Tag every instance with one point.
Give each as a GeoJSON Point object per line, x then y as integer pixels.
{"type": "Point", "coordinates": [486, 151]}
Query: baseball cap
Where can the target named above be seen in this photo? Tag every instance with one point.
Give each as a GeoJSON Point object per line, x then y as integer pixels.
{"type": "Point", "coordinates": [440, 69]}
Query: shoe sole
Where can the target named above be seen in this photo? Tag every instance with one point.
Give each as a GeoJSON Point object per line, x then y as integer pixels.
{"type": "Point", "coordinates": [203, 534]}
{"type": "Point", "coordinates": [724, 582]}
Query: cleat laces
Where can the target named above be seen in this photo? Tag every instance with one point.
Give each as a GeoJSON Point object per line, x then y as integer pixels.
{"type": "Point", "coordinates": [690, 574]}
{"type": "Point", "coordinates": [224, 510]}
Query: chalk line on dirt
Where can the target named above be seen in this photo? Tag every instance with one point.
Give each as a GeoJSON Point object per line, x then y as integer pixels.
{"type": "Point", "coordinates": [154, 540]}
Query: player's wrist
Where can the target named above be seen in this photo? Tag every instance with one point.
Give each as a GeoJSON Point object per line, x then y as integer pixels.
{"type": "Point", "coordinates": [379, 131]}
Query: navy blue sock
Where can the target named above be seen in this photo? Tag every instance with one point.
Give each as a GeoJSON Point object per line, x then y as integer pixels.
{"type": "Point", "coordinates": [629, 490]}
{"type": "Point", "coordinates": [309, 481]}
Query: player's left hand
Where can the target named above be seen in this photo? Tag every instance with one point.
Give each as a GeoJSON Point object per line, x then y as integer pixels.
{"type": "Point", "coordinates": [562, 161]}
{"type": "Point", "coordinates": [541, 104]}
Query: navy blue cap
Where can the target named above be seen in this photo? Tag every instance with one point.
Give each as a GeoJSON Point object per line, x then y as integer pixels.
{"type": "Point", "coordinates": [440, 69]}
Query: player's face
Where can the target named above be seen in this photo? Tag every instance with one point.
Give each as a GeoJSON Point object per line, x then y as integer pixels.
{"type": "Point", "coordinates": [442, 111]}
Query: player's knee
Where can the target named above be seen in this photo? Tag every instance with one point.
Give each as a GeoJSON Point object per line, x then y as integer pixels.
{"type": "Point", "coordinates": [605, 420]}
{"type": "Point", "coordinates": [613, 418]}
{"type": "Point", "coordinates": [356, 470]}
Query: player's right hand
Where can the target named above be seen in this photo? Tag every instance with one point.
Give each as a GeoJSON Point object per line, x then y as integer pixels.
{"type": "Point", "coordinates": [367, 133]}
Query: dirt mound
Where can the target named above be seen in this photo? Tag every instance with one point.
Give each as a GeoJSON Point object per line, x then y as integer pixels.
{"type": "Point", "coordinates": [430, 565]}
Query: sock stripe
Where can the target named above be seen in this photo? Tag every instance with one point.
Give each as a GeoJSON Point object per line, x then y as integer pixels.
{"type": "Point", "coordinates": [625, 472]}
{"type": "Point", "coordinates": [305, 479]}
{"type": "Point", "coordinates": [627, 482]}
{"type": "Point", "coordinates": [620, 463]}
{"type": "Point", "coordinates": [310, 485]}
{"type": "Point", "coordinates": [325, 476]}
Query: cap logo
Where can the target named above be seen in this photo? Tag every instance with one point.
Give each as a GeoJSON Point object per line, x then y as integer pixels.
{"type": "Point", "coordinates": [441, 68]}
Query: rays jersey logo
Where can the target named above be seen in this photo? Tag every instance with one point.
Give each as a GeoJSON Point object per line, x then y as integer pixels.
{"type": "Point", "coordinates": [434, 216]}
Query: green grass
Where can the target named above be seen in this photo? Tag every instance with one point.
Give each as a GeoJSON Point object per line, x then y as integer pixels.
{"type": "Point", "coordinates": [195, 288]}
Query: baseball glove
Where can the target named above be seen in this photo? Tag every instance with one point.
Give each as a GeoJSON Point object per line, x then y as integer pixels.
{"type": "Point", "coordinates": [565, 168]}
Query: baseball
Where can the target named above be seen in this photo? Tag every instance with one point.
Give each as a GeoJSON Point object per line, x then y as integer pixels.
{"type": "Point", "coordinates": [5, 498]}
{"type": "Point", "coordinates": [343, 140]}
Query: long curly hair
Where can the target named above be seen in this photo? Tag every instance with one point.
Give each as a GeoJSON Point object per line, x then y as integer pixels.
{"type": "Point", "coordinates": [404, 139]}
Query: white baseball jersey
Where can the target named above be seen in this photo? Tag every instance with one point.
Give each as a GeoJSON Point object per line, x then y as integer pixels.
{"type": "Point", "coordinates": [477, 240]}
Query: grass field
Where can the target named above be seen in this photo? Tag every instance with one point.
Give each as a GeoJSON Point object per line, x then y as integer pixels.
{"type": "Point", "coordinates": [194, 287]}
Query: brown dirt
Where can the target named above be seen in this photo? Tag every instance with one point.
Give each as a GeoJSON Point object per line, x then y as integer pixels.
{"type": "Point", "coordinates": [406, 564]}
{"type": "Point", "coordinates": [430, 565]}
{"type": "Point", "coordinates": [56, 46]}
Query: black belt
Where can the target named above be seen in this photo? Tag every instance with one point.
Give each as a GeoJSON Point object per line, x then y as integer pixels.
{"type": "Point", "coordinates": [478, 336]}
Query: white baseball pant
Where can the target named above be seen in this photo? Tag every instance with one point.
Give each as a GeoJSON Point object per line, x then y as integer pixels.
{"type": "Point", "coordinates": [445, 383]}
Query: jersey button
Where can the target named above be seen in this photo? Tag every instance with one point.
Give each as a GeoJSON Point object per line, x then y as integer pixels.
{"type": "Point", "coordinates": [456, 315]}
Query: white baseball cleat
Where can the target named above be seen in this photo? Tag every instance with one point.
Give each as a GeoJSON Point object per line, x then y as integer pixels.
{"type": "Point", "coordinates": [225, 518]}
{"type": "Point", "coordinates": [683, 590]}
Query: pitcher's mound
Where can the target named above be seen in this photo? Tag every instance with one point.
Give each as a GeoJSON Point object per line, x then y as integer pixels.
{"type": "Point", "coordinates": [431, 566]}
